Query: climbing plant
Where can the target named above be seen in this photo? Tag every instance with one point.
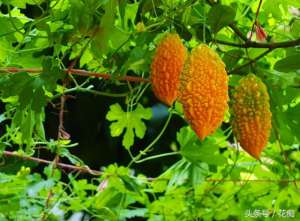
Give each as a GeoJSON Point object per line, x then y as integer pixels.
{"type": "Point", "coordinates": [53, 51]}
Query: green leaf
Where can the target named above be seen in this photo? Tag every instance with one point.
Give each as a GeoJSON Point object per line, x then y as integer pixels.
{"type": "Point", "coordinates": [196, 151]}
{"type": "Point", "coordinates": [292, 3]}
{"type": "Point", "coordinates": [64, 152]}
{"type": "Point", "coordinates": [180, 174]}
{"type": "Point", "coordinates": [288, 64]}
{"type": "Point", "coordinates": [128, 13]}
{"type": "Point", "coordinates": [31, 93]}
{"type": "Point", "coordinates": [2, 118]}
{"type": "Point", "coordinates": [82, 15]}
{"type": "Point", "coordinates": [234, 80]}
{"type": "Point", "coordinates": [159, 185]}
{"type": "Point", "coordinates": [295, 29]}
{"type": "Point", "coordinates": [220, 16]}
{"type": "Point", "coordinates": [30, 89]}
{"type": "Point", "coordinates": [232, 57]}
{"type": "Point", "coordinates": [12, 85]}
{"type": "Point", "coordinates": [108, 37]}
{"type": "Point", "coordinates": [27, 127]}
{"type": "Point", "coordinates": [139, 212]}
{"type": "Point", "coordinates": [39, 127]}
{"type": "Point", "coordinates": [185, 136]}
{"type": "Point", "coordinates": [202, 32]}
{"type": "Point", "coordinates": [293, 120]}
{"type": "Point", "coordinates": [22, 3]}
{"type": "Point", "coordinates": [56, 174]}
{"type": "Point", "coordinates": [136, 60]}
{"type": "Point", "coordinates": [86, 58]}
{"type": "Point", "coordinates": [131, 122]}
{"type": "Point", "coordinates": [274, 7]}
{"type": "Point", "coordinates": [286, 113]}
{"type": "Point", "coordinates": [198, 173]}
{"type": "Point", "coordinates": [7, 29]}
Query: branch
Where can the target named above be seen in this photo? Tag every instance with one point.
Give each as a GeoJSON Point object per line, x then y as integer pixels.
{"type": "Point", "coordinates": [255, 20]}
{"type": "Point", "coordinates": [77, 72]}
{"type": "Point", "coordinates": [238, 32]}
{"type": "Point", "coordinates": [84, 170]}
{"type": "Point", "coordinates": [88, 90]}
{"type": "Point", "coordinates": [229, 43]}
{"type": "Point", "coordinates": [253, 44]}
{"type": "Point", "coordinates": [87, 170]}
{"type": "Point", "coordinates": [251, 61]}
{"type": "Point", "coordinates": [148, 148]}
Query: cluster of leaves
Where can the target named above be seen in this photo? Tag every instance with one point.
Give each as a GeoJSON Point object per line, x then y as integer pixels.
{"type": "Point", "coordinates": [177, 193]}
{"type": "Point", "coordinates": [119, 37]}
{"type": "Point", "coordinates": [28, 95]}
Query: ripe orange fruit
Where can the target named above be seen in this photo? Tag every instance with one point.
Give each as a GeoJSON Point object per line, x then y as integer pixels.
{"type": "Point", "coordinates": [203, 90]}
{"type": "Point", "coordinates": [251, 122]}
{"type": "Point", "coordinates": [166, 68]}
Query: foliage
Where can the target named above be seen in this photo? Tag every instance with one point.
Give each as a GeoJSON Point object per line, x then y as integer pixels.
{"type": "Point", "coordinates": [112, 43]}
{"type": "Point", "coordinates": [131, 121]}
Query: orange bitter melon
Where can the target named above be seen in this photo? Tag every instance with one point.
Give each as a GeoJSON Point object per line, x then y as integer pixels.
{"type": "Point", "coordinates": [251, 121]}
{"type": "Point", "coordinates": [203, 90]}
{"type": "Point", "coordinates": [166, 67]}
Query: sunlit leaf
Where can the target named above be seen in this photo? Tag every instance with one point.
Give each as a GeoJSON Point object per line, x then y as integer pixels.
{"type": "Point", "coordinates": [288, 64]}
{"type": "Point", "coordinates": [130, 122]}
{"type": "Point", "coordinates": [219, 16]}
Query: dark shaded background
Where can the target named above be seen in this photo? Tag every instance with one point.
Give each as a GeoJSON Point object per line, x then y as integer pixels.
{"type": "Point", "coordinates": [85, 121]}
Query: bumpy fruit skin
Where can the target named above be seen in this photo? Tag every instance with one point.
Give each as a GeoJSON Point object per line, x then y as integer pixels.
{"type": "Point", "coordinates": [251, 122]}
{"type": "Point", "coordinates": [203, 90]}
{"type": "Point", "coordinates": [166, 68]}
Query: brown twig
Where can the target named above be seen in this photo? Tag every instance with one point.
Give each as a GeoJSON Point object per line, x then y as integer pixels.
{"type": "Point", "coordinates": [238, 32]}
{"type": "Point", "coordinates": [83, 170]}
{"type": "Point", "coordinates": [270, 46]}
{"type": "Point", "coordinates": [253, 44]}
{"type": "Point", "coordinates": [60, 135]}
{"type": "Point", "coordinates": [78, 72]}
{"type": "Point", "coordinates": [250, 62]}
{"type": "Point", "coordinates": [87, 170]}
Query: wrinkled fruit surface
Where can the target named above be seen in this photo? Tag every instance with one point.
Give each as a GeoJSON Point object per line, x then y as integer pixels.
{"type": "Point", "coordinates": [203, 90]}
{"type": "Point", "coordinates": [251, 122]}
{"type": "Point", "coordinates": [166, 68]}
